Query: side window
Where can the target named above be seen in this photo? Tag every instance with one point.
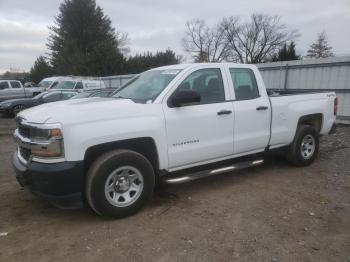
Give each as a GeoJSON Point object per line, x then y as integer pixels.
{"type": "Point", "coordinates": [67, 95]}
{"type": "Point", "coordinates": [79, 85]}
{"type": "Point", "coordinates": [244, 83]}
{"type": "Point", "coordinates": [54, 84]}
{"type": "Point", "coordinates": [15, 84]}
{"type": "Point", "coordinates": [208, 83]}
{"type": "Point", "coordinates": [52, 97]}
{"type": "Point", "coordinates": [4, 85]}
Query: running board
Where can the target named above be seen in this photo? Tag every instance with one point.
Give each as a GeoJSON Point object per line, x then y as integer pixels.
{"type": "Point", "coordinates": [177, 179]}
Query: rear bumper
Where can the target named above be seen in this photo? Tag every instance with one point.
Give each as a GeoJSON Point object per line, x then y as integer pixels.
{"type": "Point", "coordinates": [59, 183]}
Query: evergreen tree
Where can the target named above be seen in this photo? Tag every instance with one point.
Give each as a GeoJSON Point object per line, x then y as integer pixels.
{"type": "Point", "coordinates": [83, 41]}
{"type": "Point", "coordinates": [40, 69]}
{"type": "Point", "coordinates": [320, 49]}
{"type": "Point", "coordinates": [286, 53]}
{"type": "Point", "coordinates": [140, 63]}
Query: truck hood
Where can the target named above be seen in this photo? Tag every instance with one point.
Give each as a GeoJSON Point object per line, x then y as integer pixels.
{"type": "Point", "coordinates": [84, 110]}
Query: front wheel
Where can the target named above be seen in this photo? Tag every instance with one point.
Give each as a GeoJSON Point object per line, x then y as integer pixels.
{"type": "Point", "coordinates": [119, 183]}
{"type": "Point", "coordinates": [304, 148]}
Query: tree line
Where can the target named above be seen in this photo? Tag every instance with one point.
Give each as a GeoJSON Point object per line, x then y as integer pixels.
{"type": "Point", "coordinates": [264, 38]}
{"type": "Point", "coordinates": [83, 42]}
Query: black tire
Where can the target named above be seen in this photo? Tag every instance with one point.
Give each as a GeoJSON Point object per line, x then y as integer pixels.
{"type": "Point", "coordinates": [295, 154]}
{"type": "Point", "coordinates": [16, 109]}
{"type": "Point", "coordinates": [99, 172]}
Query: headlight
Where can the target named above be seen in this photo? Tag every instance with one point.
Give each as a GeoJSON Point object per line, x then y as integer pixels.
{"type": "Point", "coordinates": [47, 142]}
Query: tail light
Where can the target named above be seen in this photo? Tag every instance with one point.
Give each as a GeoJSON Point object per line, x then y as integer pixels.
{"type": "Point", "coordinates": [336, 106]}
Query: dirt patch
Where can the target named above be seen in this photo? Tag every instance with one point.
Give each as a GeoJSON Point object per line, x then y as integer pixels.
{"type": "Point", "coordinates": [270, 213]}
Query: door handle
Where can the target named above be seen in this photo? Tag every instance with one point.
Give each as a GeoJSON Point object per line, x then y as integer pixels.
{"type": "Point", "coordinates": [262, 108]}
{"type": "Point", "coordinates": [224, 112]}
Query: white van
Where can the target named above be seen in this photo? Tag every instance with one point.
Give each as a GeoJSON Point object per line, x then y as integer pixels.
{"type": "Point", "coordinates": [51, 82]}
{"type": "Point", "coordinates": [82, 84]}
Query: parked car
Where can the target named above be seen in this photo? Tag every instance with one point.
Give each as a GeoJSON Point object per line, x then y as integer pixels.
{"type": "Point", "coordinates": [95, 93]}
{"type": "Point", "coordinates": [172, 124]}
{"type": "Point", "coordinates": [51, 82]}
{"type": "Point", "coordinates": [80, 84]}
{"type": "Point", "coordinates": [10, 89]}
{"type": "Point", "coordinates": [14, 106]}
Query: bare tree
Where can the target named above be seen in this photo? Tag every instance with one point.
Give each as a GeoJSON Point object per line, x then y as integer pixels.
{"type": "Point", "coordinates": [123, 42]}
{"type": "Point", "coordinates": [320, 49]}
{"type": "Point", "coordinates": [255, 41]}
{"type": "Point", "coordinates": [205, 44]}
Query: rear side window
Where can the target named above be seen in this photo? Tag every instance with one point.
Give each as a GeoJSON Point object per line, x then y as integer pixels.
{"type": "Point", "coordinates": [4, 85]}
{"type": "Point", "coordinates": [66, 95]}
{"type": "Point", "coordinates": [15, 84]}
{"type": "Point", "coordinates": [52, 97]}
{"type": "Point", "coordinates": [244, 83]}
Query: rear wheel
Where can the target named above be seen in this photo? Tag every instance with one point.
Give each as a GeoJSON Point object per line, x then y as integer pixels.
{"type": "Point", "coordinates": [304, 148]}
{"type": "Point", "coordinates": [119, 183]}
{"type": "Point", "coordinates": [18, 108]}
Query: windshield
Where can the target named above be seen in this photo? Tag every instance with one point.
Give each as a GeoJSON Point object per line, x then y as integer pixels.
{"type": "Point", "coordinates": [82, 95]}
{"type": "Point", "coordinates": [45, 84]}
{"type": "Point", "coordinates": [65, 85]}
{"type": "Point", "coordinates": [147, 86]}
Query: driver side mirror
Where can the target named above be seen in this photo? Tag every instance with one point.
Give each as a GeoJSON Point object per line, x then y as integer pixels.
{"type": "Point", "coordinates": [185, 97]}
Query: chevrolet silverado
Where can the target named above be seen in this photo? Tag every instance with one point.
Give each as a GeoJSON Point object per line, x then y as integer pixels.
{"type": "Point", "coordinates": [170, 124]}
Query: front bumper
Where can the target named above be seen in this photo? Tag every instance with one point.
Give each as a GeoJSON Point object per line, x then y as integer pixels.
{"type": "Point", "coordinates": [59, 183]}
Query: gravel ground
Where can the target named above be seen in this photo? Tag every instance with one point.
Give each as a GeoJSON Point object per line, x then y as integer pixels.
{"type": "Point", "coordinates": [274, 212]}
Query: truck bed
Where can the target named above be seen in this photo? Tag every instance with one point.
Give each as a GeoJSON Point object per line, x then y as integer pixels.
{"type": "Point", "coordinates": [289, 105]}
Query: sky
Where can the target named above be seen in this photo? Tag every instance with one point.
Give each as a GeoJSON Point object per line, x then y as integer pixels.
{"type": "Point", "coordinates": [154, 25]}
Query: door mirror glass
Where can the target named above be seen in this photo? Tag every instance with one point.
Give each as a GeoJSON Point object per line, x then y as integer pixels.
{"type": "Point", "coordinates": [185, 97]}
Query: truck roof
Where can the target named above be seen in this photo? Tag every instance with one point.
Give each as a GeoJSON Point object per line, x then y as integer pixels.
{"type": "Point", "coordinates": [185, 66]}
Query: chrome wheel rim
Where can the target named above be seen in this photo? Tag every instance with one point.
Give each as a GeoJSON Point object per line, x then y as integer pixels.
{"type": "Point", "coordinates": [18, 109]}
{"type": "Point", "coordinates": [124, 186]}
{"type": "Point", "coordinates": [308, 145]}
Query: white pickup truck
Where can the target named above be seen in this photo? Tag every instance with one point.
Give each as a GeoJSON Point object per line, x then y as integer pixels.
{"type": "Point", "coordinates": [171, 124]}
{"type": "Point", "coordinates": [13, 89]}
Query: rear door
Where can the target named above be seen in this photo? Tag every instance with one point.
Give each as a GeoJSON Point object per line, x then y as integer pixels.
{"type": "Point", "coordinates": [252, 111]}
{"type": "Point", "coordinates": [201, 131]}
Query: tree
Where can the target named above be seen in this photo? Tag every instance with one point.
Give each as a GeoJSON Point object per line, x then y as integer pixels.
{"type": "Point", "coordinates": [83, 42]}
{"type": "Point", "coordinates": [286, 53]}
{"type": "Point", "coordinates": [320, 49]}
{"type": "Point", "coordinates": [40, 69]}
{"type": "Point", "coordinates": [140, 63]}
{"type": "Point", "coordinates": [205, 44]}
{"type": "Point", "coordinates": [257, 40]}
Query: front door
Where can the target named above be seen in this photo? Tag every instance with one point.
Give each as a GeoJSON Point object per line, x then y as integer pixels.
{"type": "Point", "coordinates": [201, 131]}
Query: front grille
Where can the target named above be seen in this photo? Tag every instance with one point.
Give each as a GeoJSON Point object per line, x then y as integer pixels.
{"type": "Point", "coordinates": [25, 153]}
{"type": "Point", "coordinates": [24, 130]}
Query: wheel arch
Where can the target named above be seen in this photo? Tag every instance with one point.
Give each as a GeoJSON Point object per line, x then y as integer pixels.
{"type": "Point", "coordinates": [145, 146]}
{"type": "Point", "coordinates": [314, 120]}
